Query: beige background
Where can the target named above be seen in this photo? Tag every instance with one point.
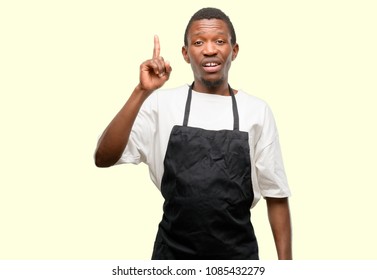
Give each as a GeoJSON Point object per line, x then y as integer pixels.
{"type": "Point", "coordinates": [68, 66]}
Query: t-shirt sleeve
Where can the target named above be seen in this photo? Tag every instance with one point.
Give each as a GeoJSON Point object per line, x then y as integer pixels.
{"type": "Point", "coordinates": [138, 146]}
{"type": "Point", "coordinates": [270, 172]}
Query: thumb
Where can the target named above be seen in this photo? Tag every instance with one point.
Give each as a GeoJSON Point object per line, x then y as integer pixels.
{"type": "Point", "coordinates": [168, 68]}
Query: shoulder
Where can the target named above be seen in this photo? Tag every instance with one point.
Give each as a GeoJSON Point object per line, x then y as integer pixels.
{"type": "Point", "coordinates": [168, 104]}
{"type": "Point", "coordinates": [250, 104]}
{"type": "Point", "coordinates": [250, 100]}
{"type": "Point", "coordinates": [165, 97]}
{"type": "Point", "coordinates": [178, 92]}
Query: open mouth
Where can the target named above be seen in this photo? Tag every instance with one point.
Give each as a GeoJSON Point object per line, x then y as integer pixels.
{"type": "Point", "coordinates": [211, 66]}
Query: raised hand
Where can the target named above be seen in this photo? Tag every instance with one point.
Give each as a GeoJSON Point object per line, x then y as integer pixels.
{"type": "Point", "coordinates": [156, 71]}
{"type": "Point", "coordinates": [153, 74]}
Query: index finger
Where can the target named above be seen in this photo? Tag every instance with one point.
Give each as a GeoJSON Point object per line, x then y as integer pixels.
{"type": "Point", "coordinates": [156, 49]}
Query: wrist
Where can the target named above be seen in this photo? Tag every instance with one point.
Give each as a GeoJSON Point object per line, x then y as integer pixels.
{"type": "Point", "coordinates": [141, 92]}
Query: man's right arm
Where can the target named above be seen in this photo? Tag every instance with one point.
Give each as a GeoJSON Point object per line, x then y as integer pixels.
{"type": "Point", "coordinates": [115, 137]}
{"type": "Point", "coordinates": [153, 74]}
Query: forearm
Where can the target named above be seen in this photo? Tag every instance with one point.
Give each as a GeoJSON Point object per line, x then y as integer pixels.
{"type": "Point", "coordinates": [280, 221]}
{"type": "Point", "coordinates": [115, 137]}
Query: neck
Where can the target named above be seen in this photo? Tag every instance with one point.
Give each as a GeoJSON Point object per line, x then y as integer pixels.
{"type": "Point", "coordinates": [219, 88]}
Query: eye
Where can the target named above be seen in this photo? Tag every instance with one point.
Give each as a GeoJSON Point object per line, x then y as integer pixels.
{"type": "Point", "coordinates": [220, 42]}
{"type": "Point", "coordinates": [198, 43]}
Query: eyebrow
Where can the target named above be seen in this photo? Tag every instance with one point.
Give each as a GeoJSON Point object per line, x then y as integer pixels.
{"type": "Point", "coordinates": [202, 32]}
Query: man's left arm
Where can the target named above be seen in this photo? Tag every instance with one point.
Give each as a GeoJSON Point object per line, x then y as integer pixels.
{"type": "Point", "coordinates": [280, 221]}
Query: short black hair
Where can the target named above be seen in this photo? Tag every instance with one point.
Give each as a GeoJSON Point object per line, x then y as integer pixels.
{"type": "Point", "coordinates": [211, 13]}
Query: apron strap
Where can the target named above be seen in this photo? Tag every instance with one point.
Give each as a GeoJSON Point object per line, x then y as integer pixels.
{"type": "Point", "coordinates": [236, 122]}
{"type": "Point", "coordinates": [188, 105]}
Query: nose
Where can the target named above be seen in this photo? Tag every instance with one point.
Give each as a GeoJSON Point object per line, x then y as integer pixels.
{"type": "Point", "coordinates": [210, 49]}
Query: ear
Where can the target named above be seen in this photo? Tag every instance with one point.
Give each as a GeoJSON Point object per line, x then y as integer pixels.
{"type": "Point", "coordinates": [185, 54]}
{"type": "Point", "coordinates": [235, 50]}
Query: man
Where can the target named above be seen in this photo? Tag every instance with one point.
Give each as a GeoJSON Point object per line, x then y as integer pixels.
{"type": "Point", "coordinates": [212, 151]}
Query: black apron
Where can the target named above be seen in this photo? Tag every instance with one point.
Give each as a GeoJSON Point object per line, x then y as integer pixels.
{"type": "Point", "coordinates": [208, 194]}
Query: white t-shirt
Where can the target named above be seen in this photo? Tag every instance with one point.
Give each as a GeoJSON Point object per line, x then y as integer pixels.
{"type": "Point", "coordinates": [165, 108]}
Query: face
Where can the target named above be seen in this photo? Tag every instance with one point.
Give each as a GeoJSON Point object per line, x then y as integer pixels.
{"type": "Point", "coordinates": [210, 53]}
